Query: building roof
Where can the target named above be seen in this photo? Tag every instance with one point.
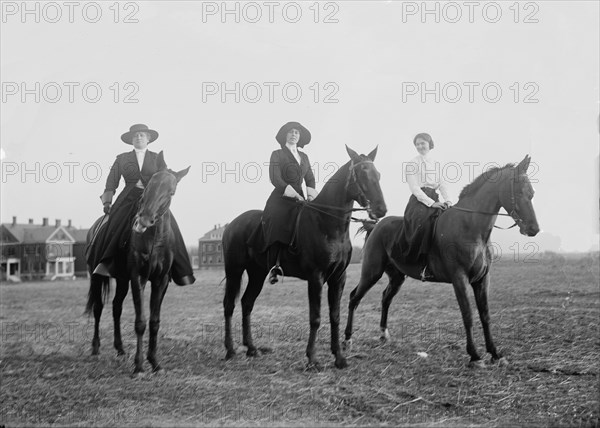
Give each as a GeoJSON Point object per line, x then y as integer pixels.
{"type": "Point", "coordinates": [215, 234]}
{"type": "Point", "coordinates": [35, 234]}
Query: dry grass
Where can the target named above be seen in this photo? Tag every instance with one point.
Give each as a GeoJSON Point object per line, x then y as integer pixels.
{"type": "Point", "coordinates": [546, 319]}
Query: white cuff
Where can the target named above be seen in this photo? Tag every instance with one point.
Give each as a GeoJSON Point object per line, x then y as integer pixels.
{"type": "Point", "coordinates": [290, 192]}
{"type": "Point", "coordinates": [311, 193]}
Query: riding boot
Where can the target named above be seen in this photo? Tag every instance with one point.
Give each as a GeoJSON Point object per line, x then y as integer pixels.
{"type": "Point", "coordinates": [273, 257]}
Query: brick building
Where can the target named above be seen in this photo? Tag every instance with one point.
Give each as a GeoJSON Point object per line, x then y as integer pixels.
{"type": "Point", "coordinates": [210, 248]}
{"type": "Point", "coordinates": [34, 251]}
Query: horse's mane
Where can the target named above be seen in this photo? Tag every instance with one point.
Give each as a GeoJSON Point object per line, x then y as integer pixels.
{"type": "Point", "coordinates": [474, 186]}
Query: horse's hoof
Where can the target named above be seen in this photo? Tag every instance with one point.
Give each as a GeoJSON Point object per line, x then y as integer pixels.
{"type": "Point", "coordinates": [229, 355]}
{"type": "Point", "coordinates": [502, 362]}
{"type": "Point", "coordinates": [347, 346]}
{"type": "Point", "coordinates": [95, 352]}
{"type": "Point", "coordinates": [477, 364]}
{"type": "Point", "coordinates": [252, 352]}
{"type": "Point", "coordinates": [341, 363]}
{"type": "Point", "coordinates": [121, 352]}
{"type": "Point", "coordinates": [138, 374]}
{"type": "Point", "coordinates": [385, 336]}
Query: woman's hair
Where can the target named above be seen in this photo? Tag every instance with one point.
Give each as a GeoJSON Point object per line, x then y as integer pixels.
{"type": "Point", "coordinates": [426, 137]}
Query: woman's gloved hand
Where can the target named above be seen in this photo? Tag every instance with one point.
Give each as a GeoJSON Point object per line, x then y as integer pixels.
{"type": "Point", "coordinates": [289, 192]}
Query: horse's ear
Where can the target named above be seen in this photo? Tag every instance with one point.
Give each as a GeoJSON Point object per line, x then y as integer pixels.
{"type": "Point", "coordinates": [353, 155]}
{"type": "Point", "coordinates": [160, 162]}
{"type": "Point", "coordinates": [524, 164]}
{"type": "Point", "coordinates": [179, 175]}
{"type": "Point", "coordinates": [373, 154]}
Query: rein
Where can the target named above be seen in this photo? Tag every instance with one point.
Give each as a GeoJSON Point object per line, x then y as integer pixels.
{"type": "Point", "coordinates": [513, 212]}
{"type": "Point", "coordinates": [352, 175]}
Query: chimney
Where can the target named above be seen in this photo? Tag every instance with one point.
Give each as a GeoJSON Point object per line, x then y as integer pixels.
{"type": "Point", "coordinates": [30, 221]}
{"type": "Point", "coordinates": [57, 222]}
{"type": "Point", "coordinates": [45, 221]}
{"type": "Point", "coordinates": [70, 225]}
{"type": "Point", "coordinates": [14, 223]}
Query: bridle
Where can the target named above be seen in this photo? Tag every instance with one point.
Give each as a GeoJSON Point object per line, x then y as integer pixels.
{"type": "Point", "coordinates": [513, 211]}
{"type": "Point", "coordinates": [360, 192]}
{"type": "Point", "coordinates": [158, 216]}
{"type": "Point", "coordinates": [351, 180]}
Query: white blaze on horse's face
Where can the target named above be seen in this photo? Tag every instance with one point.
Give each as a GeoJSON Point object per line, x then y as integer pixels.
{"type": "Point", "coordinates": [155, 201]}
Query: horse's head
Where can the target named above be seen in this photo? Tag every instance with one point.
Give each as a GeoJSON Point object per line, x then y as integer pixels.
{"type": "Point", "coordinates": [516, 196]}
{"type": "Point", "coordinates": [157, 195]}
{"type": "Point", "coordinates": [363, 183]}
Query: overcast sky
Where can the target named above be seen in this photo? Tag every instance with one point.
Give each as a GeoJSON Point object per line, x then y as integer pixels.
{"type": "Point", "coordinates": [490, 81]}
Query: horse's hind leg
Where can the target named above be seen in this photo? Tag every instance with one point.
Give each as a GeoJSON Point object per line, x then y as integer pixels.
{"type": "Point", "coordinates": [122, 288]}
{"type": "Point", "coordinates": [373, 266]}
{"type": "Point", "coordinates": [256, 278]}
{"type": "Point", "coordinates": [159, 288]}
{"type": "Point", "coordinates": [232, 289]}
{"type": "Point", "coordinates": [396, 280]}
{"type": "Point", "coordinates": [96, 301]}
{"type": "Point", "coordinates": [480, 289]}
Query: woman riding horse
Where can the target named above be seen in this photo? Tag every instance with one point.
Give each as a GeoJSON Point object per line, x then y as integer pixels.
{"type": "Point", "coordinates": [424, 180]}
{"type": "Point", "coordinates": [288, 167]}
{"type": "Point", "coordinates": [136, 167]}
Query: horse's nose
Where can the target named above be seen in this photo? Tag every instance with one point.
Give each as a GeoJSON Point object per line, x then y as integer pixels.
{"type": "Point", "coordinates": [380, 210]}
{"type": "Point", "coordinates": [533, 230]}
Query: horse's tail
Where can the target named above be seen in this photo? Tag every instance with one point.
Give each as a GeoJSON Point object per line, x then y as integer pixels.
{"type": "Point", "coordinates": [98, 293]}
{"type": "Point", "coordinates": [367, 226]}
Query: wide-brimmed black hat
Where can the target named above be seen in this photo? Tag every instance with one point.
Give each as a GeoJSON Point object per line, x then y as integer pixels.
{"type": "Point", "coordinates": [126, 137]}
{"type": "Point", "coordinates": [304, 134]}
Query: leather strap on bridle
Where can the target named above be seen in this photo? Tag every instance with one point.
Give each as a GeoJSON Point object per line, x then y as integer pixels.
{"type": "Point", "coordinates": [513, 212]}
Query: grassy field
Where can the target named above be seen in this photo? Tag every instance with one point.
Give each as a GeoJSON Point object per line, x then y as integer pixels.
{"type": "Point", "coordinates": [545, 319]}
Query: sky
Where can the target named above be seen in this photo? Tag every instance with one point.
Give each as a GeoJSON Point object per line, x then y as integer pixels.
{"type": "Point", "coordinates": [490, 81]}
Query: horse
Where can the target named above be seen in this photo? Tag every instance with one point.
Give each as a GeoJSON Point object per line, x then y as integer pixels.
{"type": "Point", "coordinates": [322, 252]}
{"type": "Point", "coordinates": [148, 256]}
{"type": "Point", "coordinates": [460, 252]}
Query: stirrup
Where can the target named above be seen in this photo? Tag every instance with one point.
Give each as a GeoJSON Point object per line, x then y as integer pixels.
{"type": "Point", "coordinates": [273, 274]}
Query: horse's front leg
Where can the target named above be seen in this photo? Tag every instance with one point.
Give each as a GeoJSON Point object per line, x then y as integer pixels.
{"type": "Point", "coordinates": [315, 288]}
{"type": "Point", "coordinates": [137, 292]}
{"type": "Point", "coordinates": [335, 289]}
{"type": "Point", "coordinates": [159, 288]}
{"type": "Point", "coordinates": [460, 289]}
{"type": "Point", "coordinates": [480, 289]}
{"type": "Point", "coordinates": [122, 288]}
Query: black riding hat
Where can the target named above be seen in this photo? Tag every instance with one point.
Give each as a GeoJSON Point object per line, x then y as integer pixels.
{"type": "Point", "coordinates": [304, 134]}
{"type": "Point", "coordinates": [126, 137]}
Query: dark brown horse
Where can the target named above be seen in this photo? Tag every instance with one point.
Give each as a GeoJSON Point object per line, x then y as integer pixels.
{"type": "Point", "coordinates": [323, 251]}
{"type": "Point", "coordinates": [460, 252]}
{"type": "Point", "coordinates": [148, 257]}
